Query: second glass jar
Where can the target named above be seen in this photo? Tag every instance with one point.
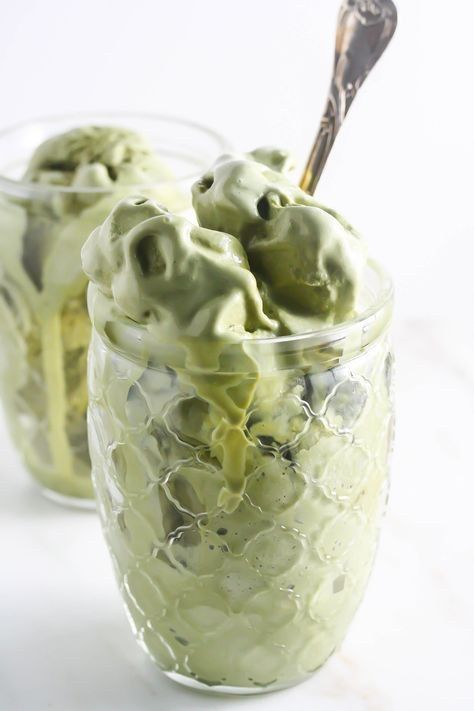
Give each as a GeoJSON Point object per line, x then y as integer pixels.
{"type": "Point", "coordinates": [44, 325]}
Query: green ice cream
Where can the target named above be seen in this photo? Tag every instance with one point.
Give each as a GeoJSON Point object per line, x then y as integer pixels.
{"type": "Point", "coordinates": [241, 478]}
{"type": "Point", "coordinates": [76, 178]}
{"type": "Point", "coordinates": [96, 157]}
{"type": "Point", "coordinates": [308, 259]}
{"type": "Point", "coordinates": [188, 281]}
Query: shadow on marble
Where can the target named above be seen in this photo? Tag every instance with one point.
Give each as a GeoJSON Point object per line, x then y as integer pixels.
{"type": "Point", "coordinates": [21, 496]}
{"type": "Point", "coordinates": [82, 659]}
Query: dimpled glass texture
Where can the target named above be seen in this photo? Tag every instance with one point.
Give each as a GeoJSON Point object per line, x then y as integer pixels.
{"type": "Point", "coordinates": [259, 598]}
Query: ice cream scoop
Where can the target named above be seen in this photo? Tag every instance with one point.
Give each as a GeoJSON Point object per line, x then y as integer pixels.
{"type": "Point", "coordinates": [191, 281]}
{"type": "Point", "coordinates": [233, 195]}
{"type": "Point", "coordinates": [96, 156]}
{"type": "Point", "coordinates": [307, 258]}
{"type": "Point", "coordinates": [310, 262]}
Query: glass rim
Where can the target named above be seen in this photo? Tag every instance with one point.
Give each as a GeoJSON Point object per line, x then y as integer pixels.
{"type": "Point", "coordinates": [367, 327]}
{"type": "Point", "coordinates": [222, 146]}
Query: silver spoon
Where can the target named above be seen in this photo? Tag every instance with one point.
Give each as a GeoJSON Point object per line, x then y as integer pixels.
{"type": "Point", "coordinates": [364, 29]}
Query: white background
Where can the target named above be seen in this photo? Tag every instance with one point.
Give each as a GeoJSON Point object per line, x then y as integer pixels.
{"type": "Point", "coordinates": [402, 171]}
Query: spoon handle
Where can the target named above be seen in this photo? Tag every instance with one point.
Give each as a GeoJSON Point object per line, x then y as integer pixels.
{"type": "Point", "coordinates": [364, 29]}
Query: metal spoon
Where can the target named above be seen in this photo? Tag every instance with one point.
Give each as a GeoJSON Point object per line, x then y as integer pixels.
{"type": "Point", "coordinates": [364, 29]}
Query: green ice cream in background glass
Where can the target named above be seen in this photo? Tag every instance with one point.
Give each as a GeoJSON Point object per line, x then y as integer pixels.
{"type": "Point", "coordinates": [59, 178]}
{"type": "Point", "coordinates": [240, 423]}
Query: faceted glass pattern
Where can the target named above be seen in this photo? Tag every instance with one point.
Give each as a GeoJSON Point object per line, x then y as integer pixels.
{"type": "Point", "coordinates": [259, 598]}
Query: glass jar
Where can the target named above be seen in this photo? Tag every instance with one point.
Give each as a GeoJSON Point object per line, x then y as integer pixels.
{"type": "Point", "coordinates": [256, 595]}
{"type": "Point", "coordinates": [44, 325]}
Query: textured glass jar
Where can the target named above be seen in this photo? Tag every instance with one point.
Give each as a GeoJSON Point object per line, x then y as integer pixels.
{"type": "Point", "coordinates": [44, 326]}
{"type": "Point", "coordinates": [258, 598]}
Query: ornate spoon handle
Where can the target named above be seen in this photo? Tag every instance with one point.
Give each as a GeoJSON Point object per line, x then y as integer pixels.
{"type": "Point", "coordinates": [364, 29]}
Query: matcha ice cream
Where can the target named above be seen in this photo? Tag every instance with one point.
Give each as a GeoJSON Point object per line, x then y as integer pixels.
{"type": "Point", "coordinates": [240, 466]}
{"type": "Point", "coordinates": [308, 258]}
{"type": "Point", "coordinates": [72, 182]}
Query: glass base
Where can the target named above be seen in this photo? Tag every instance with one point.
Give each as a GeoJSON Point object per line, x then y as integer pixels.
{"type": "Point", "coordinates": [70, 502]}
{"type": "Point", "coordinates": [227, 690]}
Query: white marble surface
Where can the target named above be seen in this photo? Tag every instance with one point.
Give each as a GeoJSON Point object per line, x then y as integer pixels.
{"type": "Point", "coordinates": [65, 643]}
{"type": "Point", "coordinates": [402, 171]}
